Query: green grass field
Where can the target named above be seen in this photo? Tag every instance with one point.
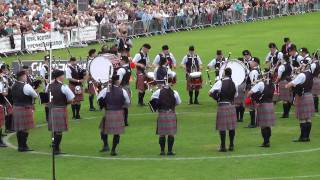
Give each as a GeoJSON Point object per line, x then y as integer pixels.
{"type": "Point", "coordinates": [196, 142]}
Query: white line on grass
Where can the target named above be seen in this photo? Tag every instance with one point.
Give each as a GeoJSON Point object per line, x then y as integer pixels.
{"type": "Point", "coordinates": [287, 177]}
{"type": "Point", "coordinates": [11, 178]}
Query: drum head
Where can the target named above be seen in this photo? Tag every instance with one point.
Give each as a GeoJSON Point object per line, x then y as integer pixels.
{"type": "Point", "coordinates": [101, 69]}
{"type": "Point", "coordinates": [238, 71]}
{"type": "Point", "coordinates": [150, 75]}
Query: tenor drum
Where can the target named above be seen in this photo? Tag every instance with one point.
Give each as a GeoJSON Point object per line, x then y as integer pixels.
{"type": "Point", "coordinates": [195, 78]}
{"type": "Point", "coordinates": [150, 79]}
{"type": "Point", "coordinates": [101, 69]}
{"type": "Point", "coordinates": [172, 77]}
{"type": "Point", "coordinates": [239, 71]}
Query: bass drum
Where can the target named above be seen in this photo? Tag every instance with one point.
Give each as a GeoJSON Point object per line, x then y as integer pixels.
{"type": "Point", "coordinates": [101, 69]}
{"type": "Point", "coordinates": [239, 71]}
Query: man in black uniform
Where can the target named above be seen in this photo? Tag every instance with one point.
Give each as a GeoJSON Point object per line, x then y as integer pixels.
{"type": "Point", "coordinates": [286, 46]}
{"type": "Point", "coordinates": [224, 91]}
{"type": "Point", "coordinates": [8, 104]}
{"type": "Point", "coordinates": [76, 77]}
{"type": "Point", "coordinates": [58, 116]}
{"type": "Point", "coordinates": [161, 74]}
{"type": "Point", "coordinates": [124, 73]}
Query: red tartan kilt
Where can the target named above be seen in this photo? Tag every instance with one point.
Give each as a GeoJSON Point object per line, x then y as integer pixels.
{"type": "Point", "coordinates": [304, 107]}
{"type": "Point", "coordinates": [112, 122]}
{"type": "Point", "coordinates": [284, 93]}
{"type": "Point", "coordinates": [140, 85]}
{"type": "Point", "coordinates": [2, 116]}
{"type": "Point", "coordinates": [239, 100]}
{"type": "Point", "coordinates": [265, 115]}
{"type": "Point", "coordinates": [166, 123]}
{"type": "Point", "coordinates": [59, 117]}
{"type": "Point", "coordinates": [78, 97]}
{"type": "Point", "coordinates": [9, 109]}
{"type": "Point", "coordinates": [23, 118]}
{"type": "Point", "coordinates": [194, 83]}
{"type": "Point", "coordinates": [316, 86]}
{"type": "Point", "coordinates": [91, 89]}
{"type": "Point", "coordinates": [226, 117]}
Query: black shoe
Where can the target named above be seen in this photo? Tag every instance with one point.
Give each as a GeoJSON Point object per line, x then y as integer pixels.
{"type": "Point", "coordinates": [251, 126]}
{"type": "Point", "coordinates": [73, 117]}
{"type": "Point", "coordinates": [78, 117]}
{"type": "Point", "coordinates": [2, 145]}
{"type": "Point", "coordinates": [162, 153]}
{"type": "Point", "coordinates": [92, 109]}
{"type": "Point", "coordinates": [222, 149]}
{"type": "Point", "coordinates": [231, 148]}
{"type": "Point", "coordinates": [265, 145]}
{"type": "Point", "coordinates": [171, 154]}
{"type": "Point", "coordinates": [190, 102]}
{"type": "Point", "coordinates": [58, 152]}
{"type": "Point", "coordinates": [26, 149]}
{"type": "Point", "coordinates": [240, 120]}
{"type": "Point", "coordinates": [113, 153]}
{"type": "Point", "coordinates": [196, 102]}
{"type": "Point", "coordinates": [285, 116]}
{"type": "Point", "coordinates": [126, 124]}
{"type": "Point", "coordinates": [298, 140]}
{"type": "Point", "coordinates": [105, 149]}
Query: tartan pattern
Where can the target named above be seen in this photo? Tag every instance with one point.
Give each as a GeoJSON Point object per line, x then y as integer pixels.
{"type": "Point", "coordinates": [91, 89]}
{"type": "Point", "coordinates": [284, 93]}
{"type": "Point", "coordinates": [23, 118]}
{"type": "Point", "coordinates": [316, 86]}
{"type": "Point", "coordinates": [2, 116]}
{"type": "Point", "coordinates": [304, 106]}
{"type": "Point", "coordinates": [190, 85]}
{"type": "Point", "coordinates": [78, 97]}
{"type": "Point", "coordinates": [166, 123]}
{"type": "Point", "coordinates": [239, 100]}
{"type": "Point", "coordinates": [59, 117]}
{"type": "Point", "coordinates": [112, 122]}
{"type": "Point", "coordinates": [140, 85]}
{"type": "Point", "coordinates": [226, 118]}
{"type": "Point", "coordinates": [265, 115]}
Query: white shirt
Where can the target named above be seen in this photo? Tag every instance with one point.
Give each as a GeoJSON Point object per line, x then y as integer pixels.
{"type": "Point", "coordinates": [281, 70]}
{"type": "Point", "coordinates": [43, 71]}
{"type": "Point", "coordinates": [104, 92]}
{"type": "Point", "coordinates": [307, 58]}
{"type": "Point", "coordinates": [29, 91]}
{"type": "Point", "coordinates": [218, 85]}
{"type": "Point", "coordinates": [66, 91]}
{"type": "Point", "coordinates": [298, 59]}
{"type": "Point", "coordinates": [258, 87]}
{"type": "Point", "coordinates": [157, 59]}
{"type": "Point", "coordinates": [253, 75]}
{"type": "Point", "coordinates": [270, 56]}
{"type": "Point", "coordinates": [68, 72]}
{"type": "Point", "coordinates": [185, 59]}
{"type": "Point", "coordinates": [1, 87]}
{"type": "Point", "coordinates": [313, 67]}
{"type": "Point", "coordinates": [121, 72]}
{"type": "Point", "coordinates": [156, 95]}
{"type": "Point", "coordinates": [300, 79]}
{"type": "Point", "coordinates": [212, 63]}
{"type": "Point", "coordinates": [137, 58]}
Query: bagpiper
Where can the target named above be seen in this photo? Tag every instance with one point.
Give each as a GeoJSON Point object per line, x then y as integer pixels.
{"type": "Point", "coordinates": [285, 47]}
{"type": "Point", "coordinates": [224, 91]}
{"type": "Point", "coordinates": [217, 62]}
{"type": "Point", "coordinates": [91, 86]}
{"type": "Point", "coordinates": [112, 100]}
{"type": "Point", "coordinates": [166, 100]}
{"type": "Point", "coordinates": [165, 54]}
{"type": "Point", "coordinates": [61, 96]}
{"type": "Point", "coordinates": [192, 63]}
{"type": "Point", "coordinates": [315, 68]}
{"type": "Point", "coordinates": [141, 60]}
{"type": "Point", "coordinates": [23, 108]}
{"type": "Point", "coordinates": [295, 57]}
{"type": "Point", "coordinates": [3, 94]}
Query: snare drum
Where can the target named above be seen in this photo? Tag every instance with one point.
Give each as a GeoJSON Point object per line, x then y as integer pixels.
{"type": "Point", "coordinates": [150, 79]}
{"type": "Point", "coordinates": [195, 79]}
{"type": "Point", "coordinates": [172, 77]}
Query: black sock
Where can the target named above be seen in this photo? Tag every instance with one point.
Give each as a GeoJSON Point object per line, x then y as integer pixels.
{"type": "Point", "coordinates": [268, 134]}
{"type": "Point", "coordinates": [162, 143]}
{"type": "Point", "coordinates": [19, 139]}
{"type": "Point", "coordinates": [1, 142]}
{"type": "Point", "coordinates": [238, 112]}
{"type": "Point", "coordinates": [191, 97]}
{"type": "Point", "coordinates": [116, 139]}
{"type": "Point", "coordinates": [301, 130]}
{"type": "Point", "coordinates": [91, 97]}
{"type": "Point", "coordinates": [47, 113]}
{"type": "Point", "coordinates": [232, 134]}
{"type": "Point", "coordinates": [170, 143]}
{"type": "Point", "coordinates": [241, 112]}
{"type": "Point", "coordinates": [26, 135]}
{"type": "Point", "coordinates": [196, 95]}
{"type": "Point", "coordinates": [78, 106]}
{"type": "Point", "coordinates": [142, 96]}
{"type": "Point", "coordinates": [263, 133]}
{"type": "Point", "coordinates": [8, 123]}
{"type": "Point", "coordinates": [104, 138]}
{"type": "Point", "coordinates": [308, 129]}
{"type": "Point", "coordinates": [223, 139]}
{"type": "Point", "coordinates": [125, 114]}
{"type": "Point", "coordinates": [316, 103]}
{"type": "Point", "coordinates": [73, 108]}
{"type": "Point", "coordinates": [57, 141]}
{"type": "Point", "coordinates": [253, 118]}
{"type": "Point", "coordinates": [285, 107]}
{"type": "Point", "coordinates": [289, 107]}
{"type": "Point", "coordinates": [140, 100]}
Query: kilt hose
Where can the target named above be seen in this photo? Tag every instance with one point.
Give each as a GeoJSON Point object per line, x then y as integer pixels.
{"type": "Point", "coordinates": [2, 116]}
{"type": "Point", "coordinates": [191, 86]}
{"type": "Point", "coordinates": [226, 117]}
{"type": "Point", "coordinates": [112, 122]}
{"type": "Point", "coordinates": [58, 119]}
{"type": "Point", "coordinates": [304, 107]}
{"type": "Point", "coordinates": [78, 97]}
{"type": "Point", "coordinates": [140, 85]}
{"type": "Point", "coordinates": [166, 123]}
{"type": "Point", "coordinates": [316, 86]}
{"type": "Point", "coordinates": [23, 118]}
{"type": "Point", "coordinates": [239, 100]}
{"type": "Point", "coordinates": [265, 115]}
{"type": "Point", "coordinates": [284, 93]}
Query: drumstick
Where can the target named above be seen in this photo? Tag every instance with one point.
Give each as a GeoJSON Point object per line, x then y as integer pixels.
{"type": "Point", "coordinates": [208, 74]}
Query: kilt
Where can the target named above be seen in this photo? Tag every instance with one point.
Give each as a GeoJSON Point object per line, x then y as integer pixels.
{"type": "Point", "coordinates": [58, 118]}
{"type": "Point", "coordinates": [190, 85]}
{"type": "Point", "coordinates": [316, 86]}
{"type": "Point", "coordinates": [226, 117]}
{"type": "Point", "coordinates": [140, 85]}
{"type": "Point", "coordinates": [112, 122]}
{"type": "Point", "coordinates": [304, 106]}
{"type": "Point", "coordinates": [2, 116]}
{"type": "Point", "coordinates": [166, 123]}
{"type": "Point", "coordinates": [23, 118]}
{"type": "Point", "coordinates": [91, 89]}
{"type": "Point", "coordinates": [78, 97]}
{"type": "Point", "coordinates": [265, 115]}
{"type": "Point", "coordinates": [284, 93]}
{"type": "Point", "coordinates": [239, 100]}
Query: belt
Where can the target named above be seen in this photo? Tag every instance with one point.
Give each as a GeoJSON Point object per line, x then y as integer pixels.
{"type": "Point", "coordinates": [166, 110]}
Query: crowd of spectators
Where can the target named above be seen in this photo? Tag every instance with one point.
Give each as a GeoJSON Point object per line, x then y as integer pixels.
{"type": "Point", "coordinates": [26, 16]}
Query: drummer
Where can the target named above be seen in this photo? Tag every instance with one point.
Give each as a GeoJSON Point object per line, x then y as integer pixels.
{"type": "Point", "coordinates": [165, 54]}
{"type": "Point", "coordinates": [141, 60]}
{"type": "Point", "coordinates": [161, 73]}
{"type": "Point", "coordinates": [192, 63]}
{"type": "Point", "coordinates": [91, 89]}
{"type": "Point", "coordinates": [247, 58]}
{"type": "Point", "coordinates": [217, 62]}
